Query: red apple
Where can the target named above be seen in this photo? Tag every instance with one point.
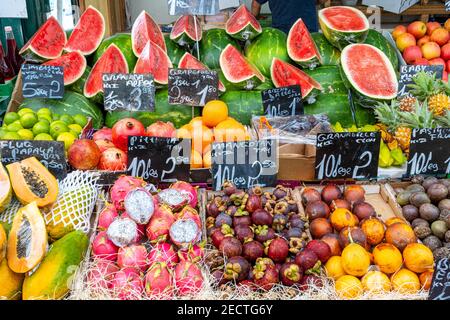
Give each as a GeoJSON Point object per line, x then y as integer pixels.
{"type": "Point", "coordinates": [411, 54]}
{"type": "Point", "coordinates": [422, 62]}
{"type": "Point", "coordinates": [431, 50]}
{"type": "Point", "coordinates": [445, 76]}
{"type": "Point", "coordinates": [423, 40]}
{"type": "Point", "coordinates": [438, 61]}
{"type": "Point", "coordinates": [431, 26]}
{"type": "Point", "coordinates": [84, 154]}
{"type": "Point", "coordinates": [445, 52]}
{"type": "Point", "coordinates": [404, 41]}
{"type": "Point", "coordinates": [398, 31]}
{"type": "Point", "coordinates": [417, 29]}
{"type": "Point", "coordinates": [441, 36]}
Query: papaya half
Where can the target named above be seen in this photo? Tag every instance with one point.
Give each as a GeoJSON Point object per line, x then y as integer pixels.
{"type": "Point", "coordinates": [3, 243]}
{"type": "Point", "coordinates": [5, 189]}
{"type": "Point", "coordinates": [11, 282]}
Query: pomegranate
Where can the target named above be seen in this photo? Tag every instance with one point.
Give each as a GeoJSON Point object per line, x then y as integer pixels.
{"type": "Point", "coordinates": [84, 154]}
{"type": "Point", "coordinates": [265, 273]}
{"type": "Point", "coordinates": [104, 248]}
{"type": "Point", "coordinates": [125, 128]}
{"type": "Point", "coordinates": [317, 209]}
{"type": "Point", "coordinates": [321, 249]}
{"type": "Point", "coordinates": [237, 269]}
{"type": "Point", "coordinates": [310, 195]}
{"type": "Point", "coordinates": [107, 216]}
{"type": "Point", "coordinates": [187, 189]}
{"type": "Point", "coordinates": [307, 259]}
{"type": "Point", "coordinates": [121, 187]}
{"type": "Point", "coordinates": [104, 145]}
{"type": "Point", "coordinates": [193, 254]}
{"type": "Point", "coordinates": [277, 249]}
{"type": "Point", "coordinates": [134, 256]}
{"type": "Point", "coordinates": [103, 134]}
{"type": "Point", "coordinates": [262, 217]}
{"type": "Point", "coordinates": [188, 278]}
{"type": "Point", "coordinates": [157, 229]}
{"type": "Point", "coordinates": [230, 247]}
{"type": "Point", "coordinates": [252, 250]}
{"type": "Point", "coordinates": [331, 192]}
{"type": "Point", "coordinates": [128, 284]}
{"type": "Point", "coordinates": [158, 281]}
{"type": "Point", "coordinates": [113, 159]}
{"type": "Point", "coordinates": [163, 252]}
{"type": "Point", "coordinates": [161, 129]}
{"type": "Point", "coordinates": [264, 233]}
{"type": "Point", "coordinates": [290, 274]}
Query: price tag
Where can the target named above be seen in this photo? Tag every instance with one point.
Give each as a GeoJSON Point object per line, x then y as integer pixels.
{"type": "Point", "coordinates": [347, 155]}
{"type": "Point", "coordinates": [447, 5]}
{"type": "Point", "coordinates": [159, 160]}
{"type": "Point", "coordinates": [192, 87]}
{"type": "Point", "coordinates": [282, 102]}
{"type": "Point", "coordinates": [193, 7]}
{"type": "Point", "coordinates": [50, 153]}
{"type": "Point", "coordinates": [39, 81]}
{"type": "Point", "coordinates": [246, 164]}
{"type": "Point", "coordinates": [409, 71]}
{"type": "Point", "coordinates": [440, 285]}
{"type": "Point", "coordinates": [429, 152]}
{"type": "Point", "coordinates": [132, 92]}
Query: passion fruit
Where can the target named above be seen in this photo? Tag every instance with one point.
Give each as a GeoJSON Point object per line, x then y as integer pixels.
{"type": "Point", "coordinates": [429, 212]}
{"type": "Point", "coordinates": [374, 230]}
{"type": "Point", "coordinates": [340, 203]}
{"type": "Point", "coordinates": [363, 210]}
{"type": "Point", "coordinates": [331, 192]}
{"type": "Point", "coordinates": [432, 242]}
{"type": "Point", "coordinates": [342, 218]}
{"type": "Point", "coordinates": [354, 193]}
{"type": "Point", "coordinates": [333, 267]}
{"type": "Point", "coordinates": [403, 198]}
{"type": "Point", "coordinates": [439, 228]}
{"type": "Point", "coordinates": [444, 204]}
{"type": "Point", "coordinates": [320, 227]}
{"type": "Point", "coordinates": [387, 258]}
{"type": "Point", "coordinates": [419, 198]}
{"type": "Point", "coordinates": [437, 192]}
{"type": "Point", "coordinates": [425, 279]}
{"type": "Point", "coordinates": [400, 235]}
{"type": "Point", "coordinates": [418, 257]}
{"type": "Point", "coordinates": [393, 220]}
{"type": "Point", "coordinates": [355, 260]}
{"type": "Point", "coordinates": [405, 281]}
{"type": "Point", "coordinates": [353, 235]}
{"type": "Point", "coordinates": [376, 282]}
{"type": "Point", "coordinates": [419, 222]}
{"type": "Point", "coordinates": [332, 240]}
{"type": "Point", "coordinates": [410, 212]}
{"type": "Point", "coordinates": [348, 287]}
{"type": "Point", "coordinates": [310, 195]}
{"type": "Point", "coordinates": [415, 187]}
{"type": "Point", "coordinates": [428, 181]}
{"type": "Point", "coordinates": [317, 209]}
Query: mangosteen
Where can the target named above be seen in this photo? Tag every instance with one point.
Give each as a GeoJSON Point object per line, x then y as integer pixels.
{"type": "Point", "coordinates": [311, 281]}
{"type": "Point", "coordinates": [281, 207]}
{"type": "Point", "coordinates": [277, 249]}
{"type": "Point", "coordinates": [231, 210]}
{"type": "Point", "coordinates": [264, 233]}
{"type": "Point", "coordinates": [410, 212]}
{"type": "Point", "coordinates": [230, 247]}
{"type": "Point", "coordinates": [222, 219]}
{"type": "Point", "coordinates": [415, 187]}
{"type": "Point", "coordinates": [257, 190]}
{"type": "Point", "coordinates": [422, 231]}
{"type": "Point", "coordinates": [213, 208]}
{"type": "Point", "coordinates": [292, 207]}
{"type": "Point", "coordinates": [218, 234]}
{"type": "Point", "coordinates": [429, 212]}
{"type": "Point", "coordinates": [331, 192]}
{"type": "Point", "coordinates": [236, 269]}
{"type": "Point", "coordinates": [340, 203]}
{"type": "Point", "coordinates": [403, 198]}
{"type": "Point", "coordinates": [252, 250]}
{"type": "Point", "coordinates": [363, 210]}
{"type": "Point", "coordinates": [265, 273]}
{"type": "Point", "coordinates": [243, 233]}
{"type": "Point", "coordinates": [228, 188]}
{"type": "Point", "coordinates": [419, 198]}
{"type": "Point", "coordinates": [239, 198]}
{"type": "Point", "coordinates": [262, 218]}
{"type": "Point", "coordinates": [444, 204]}
{"type": "Point", "coordinates": [219, 277]}
{"type": "Point", "coordinates": [242, 220]}
{"type": "Point", "coordinates": [320, 227]}
{"type": "Point", "coordinates": [293, 233]}
{"type": "Point", "coordinates": [296, 221]}
{"type": "Point", "coordinates": [441, 253]}
{"type": "Point", "coordinates": [280, 192]}
{"type": "Point", "coordinates": [253, 203]}
{"type": "Point", "coordinates": [432, 242]}
{"type": "Point", "coordinates": [437, 192]}
{"type": "Point", "coordinates": [290, 274]}
{"type": "Point", "coordinates": [306, 259]}
{"type": "Point", "coordinates": [439, 228]}
{"type": "Point", "coordinates": [419, 222]}
{"type": "Point", "coordinates": [317, 209]}
{"type": "Point", "coordinates": [279, 222]}
{"type": "Point", "coordinates": [428, 181]}
{"type": "Point", "coordinates": [321, 249]}
{"type": "Point", "coordinates": [296, 244]}
{"type": "Point", "coordinates": [310, 195]}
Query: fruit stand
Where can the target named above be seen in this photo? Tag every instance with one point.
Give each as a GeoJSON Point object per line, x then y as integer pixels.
{"type": "Point", "coordinates": [314, 167]}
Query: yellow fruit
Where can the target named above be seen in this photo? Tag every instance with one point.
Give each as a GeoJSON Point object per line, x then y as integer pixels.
{"type": "Point", "coordinates": [3, 243]}
{"type": "Point", "coordinates": [418, 257]}
{"type": "Point", "coordinates": [355, 260]}
{"type": "Point", "coordinates": [230, 130]}
{"type": "Point", "coordinates": [214, 112]}
{"type": "Point", "coordinates": [348, 287]}
{"type": "Point", "coordinates": [5, 189]}
{"type": "Point", "coordinates": [196, 160]}
{"type": "Point", "coordinates": [439, 104]}
{"type": "Point", "coordinates": [333, 268]}
{"type": "Point", "coordinates": [11, 282]}
{"type": "Point", "coordinates": [405, 281]}
{"type": "Point", "coordinates": [387, 258]}
{"type": "Point", "coordinates": [376, 282]}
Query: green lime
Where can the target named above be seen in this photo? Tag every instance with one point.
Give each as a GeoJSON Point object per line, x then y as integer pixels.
{"type": "Point", "coordinates": [44, 111]}
{"type": "Point", "coordinates": [67, 119]}
{"type": "Point", "coordinates": [45, 117]}
{"type": "Point", "coordinates": [25, 134]}
{"type": "Point", "coordinates": [76, 128]}
{"type": "Point", "coordinates": [67, 138]}
{"type": "Point", "coordinates": [57, 128]}
{"type": "Point", "coordinates": [14, 127]}
{"type": "Point", "coordinates": [10, 117]}
{"type": "Point", "coordinates": [80, 119]}
{"type": "Point", "coordinates": [11, 136]}
{"type": "Point", "coordinates": [2, 133]}
{"type": "Point", "coordinates": [55, 117]}
{"type": "Point", "coordinates": [28, 120]}
{"type": "Point", "coordinates": [75, 134]}
{"type": "Point", "coordinates": [43, 136]}
{"type": "Point", "coordinates": [41, 127]}
{"type": "Point", "coordinates": [21, 112]}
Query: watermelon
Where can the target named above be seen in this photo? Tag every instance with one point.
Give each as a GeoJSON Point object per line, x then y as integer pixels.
{"type": "Point", "coordinates": [243, 105]}
{"type": "Point", "coordinates": [179, 115]}
{"type": "Point", "coordinates": [367, 71]}
{"type": "Point", "coordinates": [284, 74]}
{"type": "Point", "coordinates": [155, 61]}
{"type": "Point", "coordinates": [343, 25]}
{"type": "Point", "coordinates": [363, 116]}
{"type": "Point", "coordinates": [111, 61]}
{"type": "Point", "coordinates": [145, 29]}
{"type": "Point", "coordinates": [301, 46]}
{"type": "Point", "coordinates": [188, 61]}
{"type": "Point", "coordinates": [335, 105]}
{"type": "Point", "coordinates": [242, 25]}
{"type": "Point", "coordinates": [186, 31]}
{"type": "Point", "coordinates": [72, 103]}
{"type": "Point", "coordinates": [329, 78]}
{"type": "Point", "coordinates": [174, 51]}
{"type": "Point", "coordinates": [228, 85]}
{"type": "Point", "coordinates": [47, 43]}
{"type": "Point", "coordinates": [123, 42]}
{"type": "Point", "coordinates": [238, 70]}
{"type": "Point", "coordinates": [265, 85]}
{"type": "Point", "coordinates": [212, 44]}
{"type": "Point", "coordinates": [88, 33]}
{"type": "Point", "coordinates": [377, 40]}
{"type": "Point", "coordinates": [330, 55]}
{"type": "Point", "coordinates": [270, 44]}
{"type": "Point", "coordinates": [73, 63]}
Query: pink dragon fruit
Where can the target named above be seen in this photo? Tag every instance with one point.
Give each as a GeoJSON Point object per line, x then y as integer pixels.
{"type": "Point", "coordinates": [192, 254]}
{"type": "Point", "coordinates": [188, 278]}
{"type": "Point", "coordinates": [140, 229]}
{"type": "Point", "coordinates": [189, 213]}
{"type": "Point", "coordinates": [163, 252]}
{"type": "Point", "coordinates": [139, 205]}
{"type": "Point", "coordinates": [102, 273]}
{"type": "Point", "coordinates": [134, 256]}
{"type": "Point", "coordinates": [104, 248]}
{"type": "Point", "coordinates": [127, 284]}
{"type": "Point", "coordinates": [107, 216]}
{"type": "Point", "coordinates": [160, 223]}
{"type": "Point", "coordinates": [121, 187]}
{"type": "Point", "coordinates": [122, 231]}
{"type": "Point", "coordinates": [173, 198]}
{"type": "Point", "coordinates": [159, 281]}
{"type": "Point", "coordinates": [188, 189]}
{"type": "Point", "coordinates": [185, 233]}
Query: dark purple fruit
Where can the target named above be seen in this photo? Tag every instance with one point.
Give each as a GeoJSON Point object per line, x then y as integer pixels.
{"type": "Point", "coordinates": [242, 220]}
{"type": "Point", "coordinates": [340, 203]}
{"type": "Point", "coordinates": [293, 233]}
{"type": "Point", "coordinates": [317, 209]}
{"type": "Point", "coordinates": [429, 212]}
{"type": "Point", "coordinates": [410, 212]}
{"type": "Point", "coordinates": [353, 235]}
{"type": "Point", "coordinates": [228, 188]}
{"type": "Point", "coordinates": [243, 233]}
{"type": "Point", "coordinates": [230, 247]}
{"type": "Point", "coordinates": [437, 192]}
{"type": "Point", "coordinates": [278, 250]}
{"type": "Point", "coordinates": [331, 192]}
{"type": "Point", "coordinates": [262, 218]}
{"type": "Point", "coordinates": [363, 210]}
{"type": "Point", "coordinates": [321, 249]}
{"type": "Point", "coordinates": [306, 259]}
{"type": "Point", "coordinates": [231, 210]}
{"type": "Point", "coordinates": [264, 233]}
{"type": "Point", "coordinates": [310, 195]}
{"type": "Point", "coordinates": [279, 222]}
{"type": "Point", "coordinates": [213, 207]}
{"type": "Point", "coordinates": [280, 192]}
{"type": "Point", "coordinates": [223, 218]}
{"type": "Point", "coordinates": [296, 221]}
{"type": "Point", "coordinates": [218, 234]}
{"type": "Point", "coordinates": [290, 274]}
{"type": "Point", "coordinates": [320, 227]}
{"type": "Point", "coordinates": [332, 240]}
{"type": "Point", "coordinates": [428, 181]}
{"type": "Point", "coordinates": [252, 250]}
{"type": "Point", "coordinates": [219, 277]}
{"type": "Point", "coordinates": [236, 269]}
{"type": "Point", "coordinates": [292, 207]}
{"type": "Point", "coordinates": [265, 273]}
{"type": "Point", "coordinates": [253, 203]}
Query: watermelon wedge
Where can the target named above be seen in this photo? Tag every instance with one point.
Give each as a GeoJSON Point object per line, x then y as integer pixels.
{"type": "Point", "coordinates": [242, 25]}
{"type": "Point", "coordinates": [284, 74]}
{"type": "Point", "coordinates": [188, 61]}
{"type": "Point", "coordinates": [88, 33]}
{"type": "Point", "coordinates": [186, 31]}
{"type": "Point", "coordinates": [155, 61]}
{"type": "Point", "coordinates": [301, 46]}
{"type": "Point", "coordinates": [74, 64]}
{"type": "Point", "coordinates": [369, 73]}
{"type": "Point", "coordinates": [343, 25]}
{"type": "Point", "coordinates": [111, 61]}
{"type": "Point", "coordinates": [143, 30]}
{"type": "Point", "coordinates": [46, 44]}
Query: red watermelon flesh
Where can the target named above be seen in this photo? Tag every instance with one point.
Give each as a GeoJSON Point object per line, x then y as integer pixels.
{"type": "Point", "coordinates": [284, 74]}
{"type": "Point", "coordinates": [188, 25]}
{"type": "Point", "coordinates": [47, 43]}
{"type": "Point", "coordinates": [235, 67]}
{"type": "Point", "coordinates": [241, 19]}
{"type": "Point", "coordinates": [343, 18]}
{"type": "Point", "coordinates": [143, 30]}
{"type": "Point", "coordinates": [301, 46]}
{"type": "Point", "coordinates": [74, 64]}
{"type": "Point", "coordinates": [111, 61]}
{"type": "Point", "coordinates": [188, 61]}
{"type": "Point", "coordinates": [155, 61]}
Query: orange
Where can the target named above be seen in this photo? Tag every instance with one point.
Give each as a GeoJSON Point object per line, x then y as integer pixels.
{"type": "Point", "coordinates": [214, 112]}
{"type": "Point", "coordinates": [207, 159]}
{"type": "Point", "coordinates": [230, 130]}
{"type": "Point", "coordinates": [196, 160]}
{"type": "Point", "coordinates": [197, 121]}
{"type": "Point", "coordinates": [184, 132]}
{"type": "Point", "coordinates": [202, 136]}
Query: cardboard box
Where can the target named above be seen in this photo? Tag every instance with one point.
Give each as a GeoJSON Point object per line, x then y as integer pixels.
{"type": "Point", "coordinates": [296, 162]}
{"type": "Point", "coordinates": [390, 5]}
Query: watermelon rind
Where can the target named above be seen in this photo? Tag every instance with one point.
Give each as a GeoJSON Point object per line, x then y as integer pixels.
{"type": "Point", "coordinates": [144, 65]}
{"type": "Point", "coordinates": [248, 30]}
{"type": "Point", "coordinates": [248, 81]}
{"type": "Point", "coordinates": [331, 56]}
{"type": "Point", "coordinates": [335, 105]}
{"type": "Point", "coordinates": [181, 33]}
{"type": "Point", "coordinates": [329, 78]}
{"type": "Point", "coordinates": [243, 105]}
{"type": "Point", "coordinates": [271, 43]}
{"type": "Point", "coordinates": [303, 51]}
{"type": "Point", "coordinates": [342, 38]}
{"type": "Point", "coordinates": [140, 37]}
{"type": "Point", "coordinates": [74, 65]}
{"type": "Point", "coordinates": [86, 37]}
{"type": "Point", "coordinates": [123, 42]}
{"type": "Point", "coordinates": [174, 51]}
{"type": "Point", "coordinates": [377, 40]}
{"type": "Point", "coordinates": [213, 42]}
{"type": "Point", "coordinates": [52, 46]}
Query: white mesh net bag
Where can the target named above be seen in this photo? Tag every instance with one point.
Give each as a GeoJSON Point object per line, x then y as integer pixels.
{"type": "Point", "coordinates": [9, 213]}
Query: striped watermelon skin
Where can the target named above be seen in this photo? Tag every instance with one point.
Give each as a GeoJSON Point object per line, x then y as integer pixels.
{"type": "Point", "coordinates": [212, 44]}
{"type": "Point", "coordinates": [174, 51]}
{"type": "Point", "coordinates": [242, 25]}
{"type": "Point", "coordinates": [330, 55]}
{"type": "Point", "coordinates": [377, 40]}
{"type": "Point", "coordinates": [329, 78]}
{"type": "Point", "coordinates": [243, 105]}
{"type": "Point", "coordinates": [336, 106]}
{"type": "Point", "coordinates": [301, 46]}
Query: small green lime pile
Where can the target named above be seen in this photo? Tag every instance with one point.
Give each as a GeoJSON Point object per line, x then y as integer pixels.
{"type": "Point", "coordinates": [42, 125]}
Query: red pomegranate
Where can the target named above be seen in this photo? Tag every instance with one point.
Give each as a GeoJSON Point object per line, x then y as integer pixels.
{"type": "Point", "coordinates": [84, 154]}
{"type": "Point", "coordinates": [161, 129]}
{"type": "Point", "coordinates": [103, 134]}
{"type": "Point", "coordinates": [125, 128]}
{"type": "Point", "coordinates": [113, 159]}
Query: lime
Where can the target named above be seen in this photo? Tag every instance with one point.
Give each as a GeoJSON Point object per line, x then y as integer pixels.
{"type": "Point", "coordinates": [75, 134]}
{"type": "Point", "coordinates": [45, 117]}
{"type": "Point", "coordinates": [11, 136]}
{"type": "Point", "coordinates": [21, 112]}
{"type": "Point", "coordinates": [76, 128]}
{"type": "Point", "coordinates": [44, 111]}
{"type": "Point", "coordinates": [28, 120]}
{"type": "Point", "coordinates": [41, 127]}
{"type": "Point", "coordinates": [67, 138]}
{"type": "Point", "coordinates": [67, 119]}
{"type": "Point", "coordinates": [10, 117]}
{"type": "Point", "coordinates": [57, 128]}
{"type": "Point", "coordinates": [26, 134]}
{"type": "Point", "coordinates": [55, 117]}
{"type": "Point", "coordinates": [2, 133]}
{"type": "Point", "coordinates": [80, 119]}
{"type": "Point", "coordinates": [43, 136]}
{"type": "Point", "coordinates": [14, 127]}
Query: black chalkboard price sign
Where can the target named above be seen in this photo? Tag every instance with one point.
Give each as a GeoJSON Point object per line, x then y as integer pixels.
{"type": "Point", "coordinates": [246, 163]}
{"type": "Point", "coordinates": [407, 73]}
{"type": "Point", "coordinates": [132, 92]}
{"type": "Point", "coordinates": [50, 153]}
{"type": "Point", "coordinates": [193, 7]}
{"type": "Point", "coordinates": [39, 81]}
{"type": "Point", "coordinates": [282, 102]}
{"type": "Point", "coordinates": [447, 5]}
{"type": "Point", "coordinates": [159, 159]}
{"type": "Point", "coordinates": [440, 285]}
{"type": "Point", "coordinates": [347, 155]}
{"type": "Point", "coordinates": [192, 87]}
{"type": "Point", "coordinates": [429, 152]}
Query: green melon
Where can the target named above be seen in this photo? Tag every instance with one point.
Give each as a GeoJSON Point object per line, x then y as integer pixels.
{"type": "Point", "coordinates": [212, 44]}
{"type": "Point", "coordinates": [174, 51]}
{"type": "Point", "coordinates": [123, 42]}
{"type": "Point", "coordinates": [243, 105]}
{"type": "Point", "coordinates": [376, 39]}
{"type": "Point", "coordinates": [330, 55]}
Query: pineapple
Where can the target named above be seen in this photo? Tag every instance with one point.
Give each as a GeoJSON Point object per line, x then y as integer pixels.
{"type": "Point", "coordinates": [439, 104]}
{"type": "Point", "coordinates": [407, 104]}
{"type": "Point", "coordinates": [403, 136]}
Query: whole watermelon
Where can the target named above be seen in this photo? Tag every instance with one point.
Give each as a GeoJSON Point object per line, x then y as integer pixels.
{"type": "Point", "coordinates": [121, 40]}
{"type": "Point", "coordinates": [243, 105]}
{"type": "Point", "coordinates": [336, 106]}
{"type": "Point", "coordinates": [174, 51]}
{"type": "Point", "coordinates": [329, 78]}
{"type": "Point", "coordinates": [212, 44]}
{"type": "Point", "coordinates": [270, 44]}
{"type": "Point", "coordinates": [377, 40]}
{"type": "Point", "coordinates": [330, 54]}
